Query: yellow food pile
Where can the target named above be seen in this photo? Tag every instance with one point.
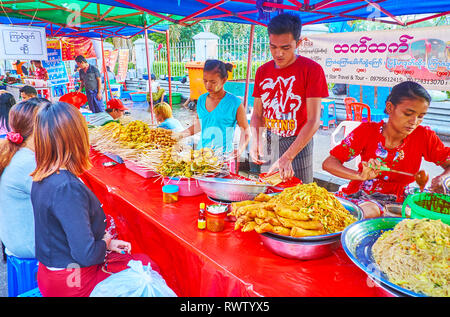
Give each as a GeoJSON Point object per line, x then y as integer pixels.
{"type": "Point", "coordinates": [137, 134]}
{"type": "Point", "coordinates": [299, 211]}
{"type": "Point", "coordinates": [188, 163]}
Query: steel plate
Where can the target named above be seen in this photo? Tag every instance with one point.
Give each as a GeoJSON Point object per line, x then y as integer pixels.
{"type": "Point", "coordinates": [357, 241]}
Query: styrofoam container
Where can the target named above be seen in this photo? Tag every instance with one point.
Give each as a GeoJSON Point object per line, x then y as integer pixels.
{"type": "Point", "coordinates": [188, 186]}
{"type": "Point", "coordinates": [139, 170]}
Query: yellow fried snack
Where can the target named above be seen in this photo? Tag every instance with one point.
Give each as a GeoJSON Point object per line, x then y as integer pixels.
{"type": "Point", "coordinates": [249, 210]}
{"type": "Point", "coordinates": [281, 230]}
{"type": "Point", "coordinates": [310, 224]}
{"type": "Point", "coordinates": [264, 227]}
{"type": "Point", "coordinates": [259, 221]}
{"type": "Point", "coordinates": [299, 232]}
{"type": "Point", "coordinates": [273, 221]}
{"type": "Point", "coordinates": [249, 226]}
{"type": "Point", "coordinates": [290, 213]}
{"type": "Point", "coordinates": [263, 197]}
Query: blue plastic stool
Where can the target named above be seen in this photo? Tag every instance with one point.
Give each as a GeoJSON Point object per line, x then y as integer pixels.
{"type": "Point", "coordinates": [327, 119]}
{"type": "Point", "coordinates": [22, 275]}
{"type": "Point", "coordinates": [31, 293]}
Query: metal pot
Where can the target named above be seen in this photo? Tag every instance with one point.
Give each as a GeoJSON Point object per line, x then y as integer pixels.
{"type": "Point", "coordinates": [224, 189]}
{"type": "Point", "coordinates": [306, 250]}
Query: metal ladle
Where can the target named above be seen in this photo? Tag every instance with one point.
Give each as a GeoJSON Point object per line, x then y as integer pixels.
{"type": "Point", "coordinates": [421, 177]}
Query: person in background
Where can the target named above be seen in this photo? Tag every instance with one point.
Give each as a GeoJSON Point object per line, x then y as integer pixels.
{"type": "Point", "coordinates": [40, 72]}
{"type": "Point", "coordinates": [111, 75]}
{"type": "Point", "coordinates": [114, 110]}
{"type": "Point", "coordinates": [91, 80]}
{"type": "Point", "coordinates": [74, 251]}
{"type": "Point", "coordinates": [16, 163]}
{"type": "Point", "coordinates": [400, 144]}
{"type": "Point", "coordinates": [27, 92]}
{"type": "Point", "coordinates": [163, 115]}
{"type": "Point", "coordinates": [7, 101]}
{"type": "Point", "coordinates": [157, 91]}
{"type": "Point", "coordinates": [20, 68]}
{"type": "Point", "coordinates": [218, 112]}
{"type": "Point", "coordinates": [288, 91]}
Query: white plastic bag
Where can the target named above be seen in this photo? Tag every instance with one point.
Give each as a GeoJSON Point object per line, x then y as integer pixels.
{"type": "Point", "coordinates": [137, 281]}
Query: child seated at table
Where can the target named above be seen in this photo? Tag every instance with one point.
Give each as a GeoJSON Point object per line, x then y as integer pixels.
{"type": "Point", "coordinates": [163, 115]}
{"type": "Point", "coordinates": [400, 144]}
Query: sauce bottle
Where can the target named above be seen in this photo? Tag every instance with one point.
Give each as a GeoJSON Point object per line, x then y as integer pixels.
{"type": "Point", "coordinates": [201, 224]}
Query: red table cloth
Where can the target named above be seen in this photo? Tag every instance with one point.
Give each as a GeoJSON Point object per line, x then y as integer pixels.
{"type": "Point", "coordinates": [201, 263]}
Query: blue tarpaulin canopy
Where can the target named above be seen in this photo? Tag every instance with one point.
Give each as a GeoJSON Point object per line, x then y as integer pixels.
{"type": "Point", "coordinates": [91, 31]}
{"type": "Point", "coordinates": [310, 11]}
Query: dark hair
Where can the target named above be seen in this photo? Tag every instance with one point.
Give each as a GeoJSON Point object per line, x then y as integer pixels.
{"type": "Point", "coordinates": [285, 23]}
{"type": "Point", "coordinates": [21, 118]}
{"type": "Point", "coordinates": [6, 102]}
{"type": "Point", "coordinates": [407, 90]}
{"type": "Point", "coordinates": [80, 59]}
{"type": "Point", "coordinates": [218, 66]}
{"type": "Point", "coordinates": [28, 90]}
{"type": "Point", "coordinates": [153, 77]}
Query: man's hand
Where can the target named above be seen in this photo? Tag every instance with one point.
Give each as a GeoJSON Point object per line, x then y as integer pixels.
{"type": "Point", "coordinates": [284, 165]}
{"type": "Point", "coordinates": [255, 154]}
{"type": "Point", "coordinates": [99, 96]}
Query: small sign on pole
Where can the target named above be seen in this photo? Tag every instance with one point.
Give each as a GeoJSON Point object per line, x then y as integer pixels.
{"type": "Point", "coordinates": [22, 43]}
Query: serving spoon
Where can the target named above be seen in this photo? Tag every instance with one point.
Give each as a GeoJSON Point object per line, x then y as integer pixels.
{"type": "Point", "coordinates": [421, 177]}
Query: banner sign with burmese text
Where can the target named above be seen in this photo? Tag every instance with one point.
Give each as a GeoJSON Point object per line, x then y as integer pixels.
{"type": "Point", "coordinates": [383, 58]}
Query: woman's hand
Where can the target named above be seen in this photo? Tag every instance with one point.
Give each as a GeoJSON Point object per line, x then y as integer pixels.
{"type": "Point", "coordinates": [438, 182]}
{"type": "Point", "coordinates": [370, 169]}
{"type": "Point", "coordinates": [120, 246]}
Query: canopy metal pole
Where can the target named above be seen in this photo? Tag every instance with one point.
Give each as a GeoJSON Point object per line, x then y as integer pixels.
{"type": "Point", "coordinates": [168, 67]}
{"type": "Point", "coordinates": [105, 73]}
{"type": "Point", "coordinates": [149, 72]}
{"type": "Point", "coordinates": [249, 65]}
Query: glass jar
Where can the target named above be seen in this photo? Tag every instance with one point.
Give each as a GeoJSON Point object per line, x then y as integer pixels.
{"type": "Point", "coordinates": [170, 193]}
{"type": "Point", "coordinates": [215, 218]}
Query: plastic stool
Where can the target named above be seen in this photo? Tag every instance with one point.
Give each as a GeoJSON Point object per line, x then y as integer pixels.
{"type": "Point", "coordinates": [31, 293]}
{"type": "Point", "coordinates": [348, 107]}
{"type": "Point", "coordinates": [326, 119]}
{"type": "Point", "coordinates": [21, 275]}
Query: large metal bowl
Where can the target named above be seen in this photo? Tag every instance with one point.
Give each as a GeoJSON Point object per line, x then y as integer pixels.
{"type": "Point", "coordinates": [304, 250]}
{"type": "Point", "coordinates": [230, 189]}
{"type": "Point", "coordinates": [308, 248]}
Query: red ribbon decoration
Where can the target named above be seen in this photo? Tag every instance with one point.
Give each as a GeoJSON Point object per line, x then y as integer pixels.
{"type": "Point", "coordinates": [14, 137]}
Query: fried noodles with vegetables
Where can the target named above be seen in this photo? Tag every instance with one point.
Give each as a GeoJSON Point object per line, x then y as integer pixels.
{"type": "Point", "coordinates": [415, 255]}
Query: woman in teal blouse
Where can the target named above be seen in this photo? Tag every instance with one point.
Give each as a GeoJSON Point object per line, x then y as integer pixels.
{"type": "Point", "coordinates": [218, 112]}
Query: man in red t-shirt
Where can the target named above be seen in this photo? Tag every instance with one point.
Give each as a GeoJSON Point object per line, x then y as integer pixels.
{"type": "Point", "coordinates": [288, 92]}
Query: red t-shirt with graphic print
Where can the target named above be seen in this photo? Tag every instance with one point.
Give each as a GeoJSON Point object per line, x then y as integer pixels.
{"type": "Point", "coordinates": [368, 141]}
{"type": "Point", "coordinates": [283, 93]}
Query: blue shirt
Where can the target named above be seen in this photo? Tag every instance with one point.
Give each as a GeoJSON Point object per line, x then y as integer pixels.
{"type": "Point", "coordinates": [218, 125]}
{"type": "Point", "coordinates": [69, 221]}
{"type": "Point", "coordinates": [16, 210]}
{"type": "Point", "coordinates": [171, 124]}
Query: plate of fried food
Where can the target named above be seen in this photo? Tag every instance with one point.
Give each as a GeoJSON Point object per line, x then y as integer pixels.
{"type": "Point", "coordinates": [301, 222]}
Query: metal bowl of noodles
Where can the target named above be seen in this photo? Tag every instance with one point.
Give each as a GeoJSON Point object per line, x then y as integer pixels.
{"type": "Point", "coordinates": [230, 190]}
{"type": "Point", "coordinates": [310, 247]}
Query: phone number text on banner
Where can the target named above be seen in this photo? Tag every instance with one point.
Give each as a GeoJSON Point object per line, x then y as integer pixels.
{"type": "Point", "coordinates": [383, 58]}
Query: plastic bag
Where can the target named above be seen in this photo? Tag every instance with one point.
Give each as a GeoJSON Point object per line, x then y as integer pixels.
{"type": "Point", "coordinates": [137, 281]}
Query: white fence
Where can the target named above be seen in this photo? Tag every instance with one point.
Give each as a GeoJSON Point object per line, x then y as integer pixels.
{"type": "Point", "coordinates": [233, 50]}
